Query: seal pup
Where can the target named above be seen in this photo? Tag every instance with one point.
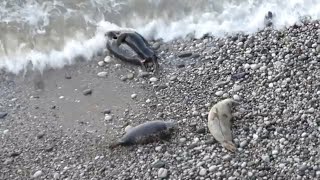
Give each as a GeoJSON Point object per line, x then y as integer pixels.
{"type": "Point", "coordinates": [144, 130]}
{"type": "Point", "coordinates": [139, 44]}
{"type": "Point", "coordinates": [219, 123]}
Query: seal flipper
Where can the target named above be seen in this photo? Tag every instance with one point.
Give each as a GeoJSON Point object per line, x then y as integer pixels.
{"type": "Point", "coordinates": [121, 38]}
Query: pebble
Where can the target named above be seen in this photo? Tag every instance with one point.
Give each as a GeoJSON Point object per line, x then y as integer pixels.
{"type": "Point", "coordinates": [159, 164]}
{"type": "Point", "coordinates": [236, 97]}
{"type": "Point", "coordinates": [37, 174]}
{"type": "Point", "coordinates": [237, 88]}
{"type": "Point", "coordinates": [143, 74]}
{"type": "Point", "coordinates": [3, 115]}
{"type": "Point", "coordinates": [107, 59]}
{"type": "Point", "coordinates": [243, 143]}
{"type": "Point", "coordinates": [133, 96]}
{"type": "Point", "coordinates": [107, 111]}
{"type": "Point", "coordinates": [102, 74]}
{"type": "Point", "coordinates": [265, 158]}
{"type": "Point", "coordinates": [6, 131]}
{"type": "Point", "coordinates": [153, 79]}
{"type": "Point", "coordinates": [56, 175]}
{"type": "Point", "coordinates": [87, 92]}
{"type": "Point", "coordinates": [162, 173]}
{"type": "Point", "coordinates": [185, 54]}
{"type": "Point", "coordinates": [219, 93]}
{"type": "Point", "coordinates": [173, 78]}
{"type": "Point", "coordinates": [101, 63]}
{"type": "Point", "coordinates": [213, 168]}
{"type": "Point", "coordinates": [202, 172]}
{"type": "Point", "coordinates": [183, 140]}
{"type": "Point", "coordinates": [108, 117]}
{"type": "Point", "coordinates": [158, 148]}
{"type": "Point", "coordinates": [130, 76]}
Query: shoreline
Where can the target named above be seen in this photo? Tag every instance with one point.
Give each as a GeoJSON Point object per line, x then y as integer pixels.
{"type": "Point", "coordinates": [276, 129]}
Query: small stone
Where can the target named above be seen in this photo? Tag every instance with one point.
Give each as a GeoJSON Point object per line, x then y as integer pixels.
{"type": "Point", "coordinates": [8, 161]}
{"type": "Point", "coordinates": [185, 54]}
{"type": "Point", "coordinates": [153, 79]}
{"type": "Point", "coordinates": [108, 117]}
{"type": "Point", "coordinates": [87, 92]}
{"type": "Point", "coordinates": [181, 65]}
{"type": "Point", "coordinates": [67, 75]}
{"type": "Point", "coordinates": [130, 76]}
{"type": "Point", "coordinates": [265, 158]}
{"type": "Point", "coordinates": [159, 164]}
{"type": "Point", "coordinates": [237, 88]}
{"type": "Point", "coordinates": [123, 78]}
{"type": "Point", "coordinates": [158, 148]}
{"type": "Point", "coordinates": [271, 85]}
{"type": "Point", "coordinates": [213, 168]}
{"type": "Point", "coordinates": [102, 74]}
{"type": "Point", "coordinates": [236, 97]}
{"type": "Point", "coordinates": [240, 44]}
{"type": "Point", "coordinates": [162, 173]}
{"type": "Point", "coordinates": [143, 74]}
{"type": "Point", "coordinates": [156, 45]}
{"type": "Point", "coordinates": [219, 93]}
{"type": "Point", "coordinates": [101, 63]}
{"type": "Point", "coordinates": [3, 115]}
{"type": "Point", "coordinates": [107, 111]}
{"type": "Point", "coordinates": [243, 143]}
{"type": "Point", "coordinates": [148, 100]}
{"type": "Point", "coordinates": [5, 131]}
{"type": "Point", "coordinates": [40, 135]}
{"type": "Point", "coordinates": [107, 59]}
{"type": "Point", "coordinates": [37, 174]}
{"type": "Point", "coordinates": [56, 175]}
{"type": "Point", "coordinates": [133, 96]}
{"type": "Point", "coordinates": [183, 140]}
{"type": "Point", "coordinates": [202, 172]}
{"type": "Point", "coordinates": [61, 97]}
{"type": "Point", "coordinates": [226, 157]}
{"type": "Point", "coordinates": [275, 152]}
{"type": "Point", "coordinates": [201, 130]}
{"type": "Point", "coordinates": [173, 78]}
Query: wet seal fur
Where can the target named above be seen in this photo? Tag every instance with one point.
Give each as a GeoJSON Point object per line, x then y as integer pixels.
{"type": "Point", "coordinates": [219, 123]}
{"type": "Point", "coordinates": [139, 44]}
{"type": "Point", "coordinates": [143, 131]}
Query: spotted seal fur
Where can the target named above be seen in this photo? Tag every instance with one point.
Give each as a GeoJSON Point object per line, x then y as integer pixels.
{"type": "Point", "coordinates": [219, 123]}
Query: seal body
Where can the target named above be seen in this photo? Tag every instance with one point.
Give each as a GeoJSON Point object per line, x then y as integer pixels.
{"type": "Point", "coordinates": [219, 123]}
{"type": "Point", "coordinates": [143, 131]}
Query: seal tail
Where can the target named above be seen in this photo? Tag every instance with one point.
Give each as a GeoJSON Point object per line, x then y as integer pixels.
{"type": "Point", "coordinates": [229, 146]}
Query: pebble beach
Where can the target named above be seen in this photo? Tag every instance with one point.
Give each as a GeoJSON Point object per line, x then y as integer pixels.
{"type": "Point", "coordinates": [59, 127]}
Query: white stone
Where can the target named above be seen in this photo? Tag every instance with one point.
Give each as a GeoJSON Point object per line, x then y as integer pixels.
{"type": "Point", "coordinates": [153, 79]}
{"type": "Point", "coordinates": [108, 117]}
{"type": "Point", "coordinates": [6, 131]}
{"type": "Point", "coordinates": [213, 168]}
{"type": "Point", "coordinates": [61, 97]}
{"type": "Point", "coordinates": [182, 140]}
{"type": "Point", "coordinates": [265, 158]}
{"type": "Point", "coordinates": [148, 101]}
{"type": "Point", "coordinates": [101, 63]}
{"type": "Point", "coordinates": [236, 88]}
{"type": "Point", "coordinates": [236, 97]}
{"type": "Point", "coordinates": [56, 175]}
{"type": "Point", "coordinates": [133, 96]}
{"type": "Point", "coordinates": [219, 93]}
{"type": "Point", "coordinates": [107, 59]}
{"type": "Point", "coordinates": [158, 148]}
{"type": "Point", "coordinates": [162, 173]}
{"type": "Point", "coordinates": [102, 74]}
{"type": "Point", "coordinates": [37, 174]}
{"type": "Point", "coordinates": [271, 85]}
{"type": "Point", "coordinates": [202, 172]}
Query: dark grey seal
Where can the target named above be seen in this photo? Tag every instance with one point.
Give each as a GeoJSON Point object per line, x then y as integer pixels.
{"type": "Point", "coordinates": [144, 130]}
{"type": "Point", "coordinates": [138, 43]}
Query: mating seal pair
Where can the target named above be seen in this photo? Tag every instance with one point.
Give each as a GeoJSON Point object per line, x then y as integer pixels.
{"type": "Point", "coordinates": [144, 53]}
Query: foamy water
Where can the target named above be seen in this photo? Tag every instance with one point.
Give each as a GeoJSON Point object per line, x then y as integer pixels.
{"type": "Point", "coordinates": [52, 33]}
